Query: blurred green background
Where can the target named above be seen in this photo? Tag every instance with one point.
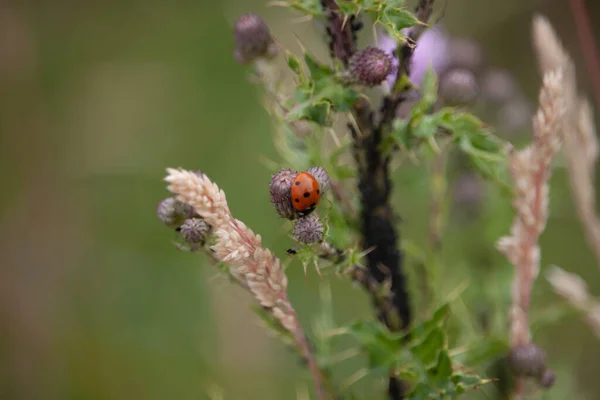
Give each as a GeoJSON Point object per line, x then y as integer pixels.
{"type": "Point", "coordinates": [96, 100]}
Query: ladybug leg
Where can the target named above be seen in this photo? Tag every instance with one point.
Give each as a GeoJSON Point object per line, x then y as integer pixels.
{"type": "Point", "coordinates": [292, 252]}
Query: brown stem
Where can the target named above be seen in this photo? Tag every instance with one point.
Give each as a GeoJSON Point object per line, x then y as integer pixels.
{"type": "Point", "coordinates": [588, 46]}
{"type": "Point", "coordinates": [342, 43]}
{"type": "Point", "coordinates": [377, 218]}
{"type": "Point", "coordinates": [310, 359]}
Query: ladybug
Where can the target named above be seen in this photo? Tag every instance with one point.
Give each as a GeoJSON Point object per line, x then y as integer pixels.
{"type": "Point", "coordinates": [305, 193]}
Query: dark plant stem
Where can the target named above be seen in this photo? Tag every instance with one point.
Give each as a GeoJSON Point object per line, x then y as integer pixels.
{"type": "Point", "coordinates": [343, 40]}
{"type": "Point", "coordinates": [588, 46]}
{"type": "Point", "coordinates": [377, 218]}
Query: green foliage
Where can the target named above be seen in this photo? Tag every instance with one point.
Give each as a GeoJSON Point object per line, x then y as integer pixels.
{"type": "Point", "coordinates": [390, 14]}
{"type": "Point", "coordinates": [309, 7]}
{"type": "Point", "coordinates": [487, 152]}
{"type": "Point", "coordinates": [318, 93]}
{"type": "Point", "coordinates": [420, 356]}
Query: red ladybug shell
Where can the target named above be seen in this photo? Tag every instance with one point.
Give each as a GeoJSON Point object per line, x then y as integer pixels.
{"type": "Point", "coordinates": [305, 192]}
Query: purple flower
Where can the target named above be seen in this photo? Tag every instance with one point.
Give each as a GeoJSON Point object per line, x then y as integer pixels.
{"type": "Point", "coordinates": [431, 52]}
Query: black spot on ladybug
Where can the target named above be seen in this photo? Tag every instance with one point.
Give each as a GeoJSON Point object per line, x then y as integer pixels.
{"type": "Point", "coordinates": [297, 200]}
{"type": "Point", "coordinates": [306, 194]}
{"type": "Point", "coordinates": [297, 183]}
{"type": "Point", "coordinates": [318, 191]}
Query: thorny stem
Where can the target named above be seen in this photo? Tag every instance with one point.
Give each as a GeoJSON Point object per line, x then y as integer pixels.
{"type": "Point", "coordinates": [588, 47]}
{"type": "Point", "coordinates": [342, 45]}
{"type": "Point", "coordinates": [379, 233]}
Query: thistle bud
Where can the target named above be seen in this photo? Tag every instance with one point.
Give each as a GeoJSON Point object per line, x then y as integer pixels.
{"type": "Point", "coordinates": [252, 39]}
{"type": "Point", "coordinates": [498, 86]}
{"type": "Point", "coordinates": [321, 176]}
{"type": "Point", "coordinates": [280, 190]}
{"type": "Point", "coordinates": [465, 53]}
{"type": "Point", "coordinates": [515, 115]}
{"type": "Point", "coordinates": [194, 230]}
{"type": "Point", "coordinates": [308, 229]}
{"type": "Point", "coordinates": [528, 360]}
{"type": "Point", "coordinates": [370, 66]}
{"type": "Point", "coordinates": [458, 86]}
{"type": "Point", "coordinates": [173, 213]}
{"type": "Point", "coordinates": [548, 378]}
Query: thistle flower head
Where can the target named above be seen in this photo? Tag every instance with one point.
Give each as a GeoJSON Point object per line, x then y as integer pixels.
{"type": "Point", "coordinates": [280, 190]}
{"type": "Point", "coordinates": [173, 212]}
{"type": "Point", "coordinates": [547, 379]}
{"type": "Point", "coordinates": [194, 230]}
{"type": "Point", "coordinates": [498, 86]}
{"type": "Point", "coordinates": [308, 229]}
{"type": "Point", "coordinates": [370, 66]}
{"type": "Point", "coordinates": [465, 53]}
{"type": "Point", "coordinates": [321, 176]}
{"type": "Point", "coordinates": [458, 86]}
{"type": "Point", "coordinates": [431, 52]}
{"type": "Point", "coordinates": [527, 360]}
{"type": "Point", "coordinates": [253, 39]}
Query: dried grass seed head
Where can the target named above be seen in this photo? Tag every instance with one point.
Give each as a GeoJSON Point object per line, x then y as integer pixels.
{"type": "Point", "coordinates": [196, 190]}
{"type": "Point", "coordinates": [255, 267]}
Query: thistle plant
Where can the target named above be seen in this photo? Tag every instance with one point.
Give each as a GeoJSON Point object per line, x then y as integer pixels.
{"type": "Point", "coordinates": [342, 127]}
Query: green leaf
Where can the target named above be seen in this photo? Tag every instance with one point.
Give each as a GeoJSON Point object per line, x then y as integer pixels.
{"type": "Point", "coordinates": [426, 128]}
{"type": "Point", "coordinates": [485, 350]}
{"type": "Point", "coordinates": [443, 369]}
{"type": "Point", "coordinates": [317, 96]}
{"type": "Point", "coordinates": [429, 94]}
{"type": "Point", "coordinates": [317, 71]}
{"type": "Point", "coordinates": [397, 19]}
{"type": "Point", "coordinates": [464, 383]}
{"type": "Point", "coordinates": [400, 135]}
{"type": "Point", "coordinates": [427, 350]}
{"type": "Point", "coordinates": [381, 345]}
{"type": "Point", "coordinates": [294, 64]}
{"type": "Point", "coordinates": [420, 357]}
{"type": "Point", "coordinates": [390, 14]}
{"type": "Point", "coordinates": [309, 7]}
{"type": "Point", "coordinates": [437, 320]}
